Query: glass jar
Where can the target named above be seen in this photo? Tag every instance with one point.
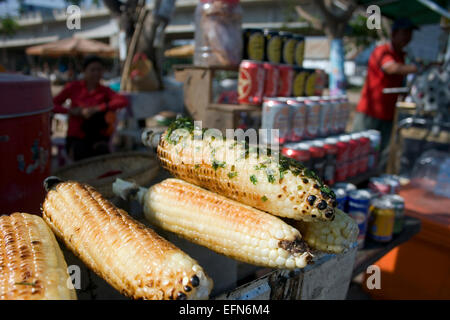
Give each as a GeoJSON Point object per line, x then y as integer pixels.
{"type": "Point", "coordinates": [218, 35]}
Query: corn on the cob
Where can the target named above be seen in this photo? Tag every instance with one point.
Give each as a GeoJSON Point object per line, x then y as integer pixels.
{"type": "Point", "coordinates": [32, 266]}
{"type": "Point", "coordinates": [222, 225]}
{"type": "Point", "coordinates": [284, 188]}
{"type": "Point", "coordinates": [131, 257]}
{"type": "Point", "coordinates": [334, 236]}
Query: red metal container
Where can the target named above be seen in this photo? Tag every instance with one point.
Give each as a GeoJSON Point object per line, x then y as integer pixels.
{"type": "Point", "coordinates": [271, 80]}
{"type": "Point", "coordinates": [341, 171]}
{"type": "Point", "coordinates": [24, 142]}
{"type": "Point", "coordinates": [355, 147]}
{"type": "Point", "coordinates": [285, 82]}
{"type": "Point", "coordinates": [318, 157]}
{"type": "Point", "coordinates": [343, 148]}
{"type": "Point", "coordinates": [297, 151]}
{"type": "Point", "coordinates": [251, 82]}
{"type": "Point", "coordinates": [330, 145]}
{"type": "Point", "coordinates": [363, 162]}
{"type": "Point", "coordinates": [353, 166]}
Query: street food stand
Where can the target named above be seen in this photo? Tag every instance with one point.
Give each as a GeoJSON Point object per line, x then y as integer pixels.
{"type": "Point", "coordinates": [328, 277]}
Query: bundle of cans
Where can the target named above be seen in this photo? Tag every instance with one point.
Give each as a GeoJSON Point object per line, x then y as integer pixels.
{"type": "Point", "coordinates": [258, 80]}
{"type": "Point", "coordinates": [379, 215]}
{"type": "Point", "coordinates": [337, 158]}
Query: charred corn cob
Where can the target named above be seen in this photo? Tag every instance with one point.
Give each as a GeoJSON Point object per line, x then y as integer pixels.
{"type": "Point", "coordinates": [221, 224]}
{"type": "Point", "coordinates": [278, 185]}
{"type": "Point", "coordinates": [32, 266]}
{"type": "Point", "coordinates": [131, 257]}
{"type": "Point", "coordinates": [334, 236]}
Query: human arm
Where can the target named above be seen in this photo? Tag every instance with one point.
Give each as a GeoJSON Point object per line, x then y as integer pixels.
{"type": "Point", "coordinates": [396, 68]}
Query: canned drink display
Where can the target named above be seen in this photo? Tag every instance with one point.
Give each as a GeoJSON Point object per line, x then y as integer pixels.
{"type": "Point", "coordinates": [341, 198]}
{"type": "Point", "coordinates": [381, 222]}
{"type": "Point", "coordinates": [362, 163]}
{"type": "Point", "coordinates": [275, 115]}
{"type": "Point", "coordinates": [330, 145]}
{"type": "Point", "coordinates": [379, 185]}
{"type": "Point", "coordinates": [312, 117]}
{"type": "Point", "coordinates": [358, 209]}
{"type": "Point", "coordinates": [299, 82]}
{"type": "Point", "coordinates": [285, 80]}
{"type": "Point", "coordinates": [272, 76]}
{"type": "Point", "coordinates": [254, 44]}
{"type": "Point", "coordinates": [251, 82]}
{"type": "Point", "coordinates": [318, 157]}
{"type": "Point", "coordinates": [272, 46]}
{"type": "Point", "coordinates": [299, 152]}
{"type": "Point", "coordinates": [324, 117]}
{"type": "Point", "coordinates": [347, 186]}
{"type": "Point", "coordinates": [298, 119]}
{"type": "Point", "coordinates": [299, 50]}
{"type": "Point", "coordinates": [398, 204]}
{"type": "Point", "coordinates": [288, 43]}
{"type": "Point", "coordinates": [343, 148]}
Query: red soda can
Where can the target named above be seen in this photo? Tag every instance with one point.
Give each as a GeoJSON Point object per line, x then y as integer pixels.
{"type": "Point", "coordinates": [331, 149]}
{"type": "Point", "coordinates": [353, 167]}
{"type": "Point", "coordinates": [365, 145]}
{"type": "Point", "coordinates": [251, 82]}
{"type": "Point", "coordinates": [271, 80]}
{"type": "Point", "coordinates": [312, 116]}
{"type": "Point", "coordinates": [363, 163]}
{"type": "Point", "coordinates": [343, 148]}
{"type": "Point", "coordinates": [318, 157]}
{"type": "Point", "coordinates": [355, 147]}
{"type": "Point", "coordinates": [341, 171]}
{"type": "Point", "coordinates": [298, 119]}
{"type": "Point", "coordinates": [298, 151]}
{"type": "Point", "coordinates": [285, 80]}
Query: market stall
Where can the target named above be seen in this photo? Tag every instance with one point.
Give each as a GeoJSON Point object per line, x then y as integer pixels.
{"type": "Point", "coordinates": [196, 214]}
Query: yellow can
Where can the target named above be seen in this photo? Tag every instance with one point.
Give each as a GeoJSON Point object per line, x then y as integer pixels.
{"type": "Point", "coordinates": [382, 219]}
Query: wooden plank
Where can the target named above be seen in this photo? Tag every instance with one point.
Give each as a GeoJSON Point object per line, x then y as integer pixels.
{"type": "Point", "coordinates": [234, 107]}
{"type": "Point", "coordinates": [373, 251]}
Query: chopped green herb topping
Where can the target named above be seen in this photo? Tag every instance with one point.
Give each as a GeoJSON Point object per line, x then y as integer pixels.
{"type": "Point", "coordinates": [253, 179]}
{"type": "Point", "coordinates": [233, 174]}
{"type": "Point", "coordinates": [264, 198]}
{"type": "Point", "coordinates": [217, 164]}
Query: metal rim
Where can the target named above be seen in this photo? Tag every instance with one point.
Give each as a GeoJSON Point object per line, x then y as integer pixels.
{"type": "Point", "coordinates": [25, 114]}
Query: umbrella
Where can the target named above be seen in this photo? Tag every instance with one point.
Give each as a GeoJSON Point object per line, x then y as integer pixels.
{"type": "Point", "coordinates": [71, 47]}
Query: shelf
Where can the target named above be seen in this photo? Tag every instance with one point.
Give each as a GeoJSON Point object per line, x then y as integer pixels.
{"type": "Point", "coordinates": [363, 177]}
{"type": "Point", "coordinates": [212, 68]}
{"type": "Point", "coordinates": [234, 107]}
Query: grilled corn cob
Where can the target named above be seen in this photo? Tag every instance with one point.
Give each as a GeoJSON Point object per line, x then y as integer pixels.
{"type": "Point", "coordinates": [221, 224]}
{"type": "Point", "coordinates": [131, 257]}
{"type": "Point", "coordinates": [284, 188]}
{"type": "Point", "coordinates": [32, 266]}
{"type": "Point", "coordinates": [334, 236]}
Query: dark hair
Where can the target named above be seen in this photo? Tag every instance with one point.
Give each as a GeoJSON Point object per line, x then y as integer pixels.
{"type": "Point", "coordinates": [91, 59]}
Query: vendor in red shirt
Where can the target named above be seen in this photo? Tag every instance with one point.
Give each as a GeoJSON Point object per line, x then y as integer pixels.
{"type": "Point", "coordinates": [90, 102]}
{"type": "Point", "coordinates": [386, 69]}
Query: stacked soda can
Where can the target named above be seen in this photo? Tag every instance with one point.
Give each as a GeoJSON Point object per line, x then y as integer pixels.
{"type": "Point", "coordinates": [337, 158]}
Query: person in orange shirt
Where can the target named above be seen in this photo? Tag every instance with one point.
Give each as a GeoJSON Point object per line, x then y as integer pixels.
{"type": "Point", "coordinates": [90, 106]}
{"type": "Point", "coordinates": [386, 69]}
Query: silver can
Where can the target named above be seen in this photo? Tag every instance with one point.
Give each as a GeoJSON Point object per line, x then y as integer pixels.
{"type": "Point", "coordinates": [398, 204]}
{"type": "Point", "coordinates": [324, 117]}
{"type": "Point", "coordinates": [312, 116]}
{"type": "Point", "coordinates": [297, 119]}
{"type": "Point", "coordinates": [275, 121]}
